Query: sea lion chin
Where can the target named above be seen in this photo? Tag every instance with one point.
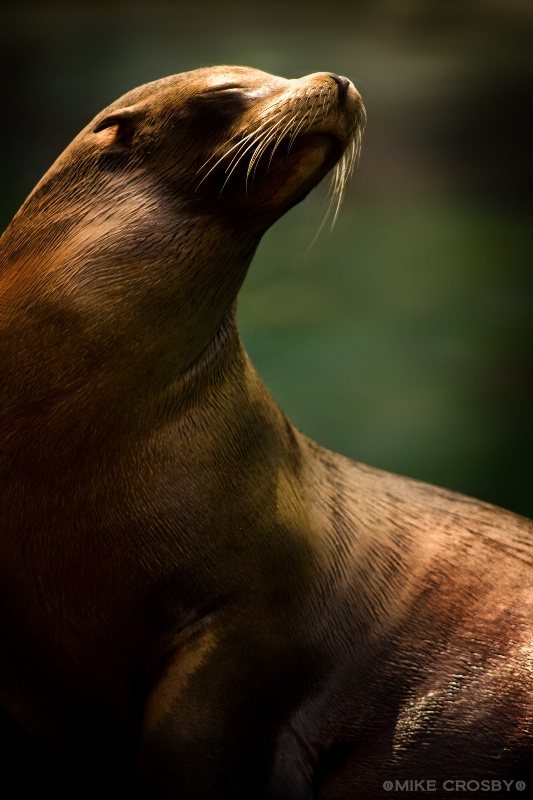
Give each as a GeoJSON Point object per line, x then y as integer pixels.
{"type": "Point", "coordinates": [197, 600]}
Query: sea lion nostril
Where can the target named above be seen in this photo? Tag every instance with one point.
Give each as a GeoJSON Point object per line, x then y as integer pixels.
{"type": "Point", "coordinates": [342, 84]}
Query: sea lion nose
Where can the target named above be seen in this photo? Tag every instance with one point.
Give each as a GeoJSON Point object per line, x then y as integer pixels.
{"type": "Point", "coordinates": [342, 84]}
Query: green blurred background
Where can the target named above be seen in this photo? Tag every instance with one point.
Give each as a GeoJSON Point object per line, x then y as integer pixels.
{"type": "Point", "coordinates": [404, 337]}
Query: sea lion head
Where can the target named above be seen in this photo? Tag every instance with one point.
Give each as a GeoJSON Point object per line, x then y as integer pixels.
{"type": "Point", "coordinates": [236, 141]}
{"type": "Point", "coordinates": [149, 219]}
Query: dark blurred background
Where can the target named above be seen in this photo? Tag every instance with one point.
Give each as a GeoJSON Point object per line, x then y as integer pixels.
{"type": "Point", "coordinates": [404, 337]}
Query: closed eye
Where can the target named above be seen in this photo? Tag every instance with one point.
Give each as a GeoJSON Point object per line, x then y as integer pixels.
{"type": "Point", "coordinates": [224, 87]}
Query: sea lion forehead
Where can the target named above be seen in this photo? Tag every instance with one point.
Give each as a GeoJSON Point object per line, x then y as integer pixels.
{"type": "Point", "coordinates": [245, 78]}
{"type": "Point", "coordinates": [188, 84]}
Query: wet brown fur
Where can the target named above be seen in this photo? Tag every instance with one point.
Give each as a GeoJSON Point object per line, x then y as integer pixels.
{"type": "Point", "coordinates": [197, 601]}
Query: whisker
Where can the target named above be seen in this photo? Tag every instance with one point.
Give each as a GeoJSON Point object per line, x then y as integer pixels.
{"type": "Point", "coordinates": [237, 145]}
{"type": "Point", "coordinates": [275, 135]}
{"type": "Point", "coordinates": [251, 135]}
{"type": "Point", "coordinates": [280, 138]}
{"type": "Point", "coordinates": [241, 141]}
{"type": "Point", "coordinates": [252, 130]}
{"type": "Point", "coordinates": [265, 136]}
{"type": "Point", "coordinates": [339, 182]}
{"type": "Point", "coordinates": [299, 128]}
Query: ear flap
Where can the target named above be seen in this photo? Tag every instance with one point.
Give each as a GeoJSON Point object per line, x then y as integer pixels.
{"type": "Point", "coordinates": [124, 118]}
{"type": "Point", "coordinates": [117, 129]}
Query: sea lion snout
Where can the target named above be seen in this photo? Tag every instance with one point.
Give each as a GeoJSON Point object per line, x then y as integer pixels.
{"type": "Point", "coordinates": [288, 136]}
{"type": "Point", "coordinates": [345, 88]}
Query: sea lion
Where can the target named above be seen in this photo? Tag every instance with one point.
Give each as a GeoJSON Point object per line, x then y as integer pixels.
{"type": "Point", "coordinates": [198, 602]}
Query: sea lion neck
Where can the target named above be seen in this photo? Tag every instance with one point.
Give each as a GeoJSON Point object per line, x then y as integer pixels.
{"type": "Point", "coordinates": [119, 294]}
